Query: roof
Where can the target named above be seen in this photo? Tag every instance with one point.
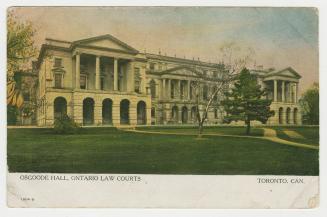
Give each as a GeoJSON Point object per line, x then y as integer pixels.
{"type": "Point", "coordinates": [179, 68]}
{"type": "Point", "coordinates": [280, 72]}
{"type": "Point", "coordinates": [101, 37]}
{"type": "Point", "coordinates": [180, 60]}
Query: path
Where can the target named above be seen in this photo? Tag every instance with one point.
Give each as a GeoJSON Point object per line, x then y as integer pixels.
{"type": "Point", "coordinates": [269, 134]}
{"type": "Point", "coordinates": [293, 134]}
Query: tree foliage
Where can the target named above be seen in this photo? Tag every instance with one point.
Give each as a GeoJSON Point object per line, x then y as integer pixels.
{"type": "Point", "coordinates": [310, 105]}
{"type": "Point", "coordinates": [246, 101]}
{"type": "Point", "coordinates": [20, 49]}
{"type": "Point", "coordinates": [65, 125]}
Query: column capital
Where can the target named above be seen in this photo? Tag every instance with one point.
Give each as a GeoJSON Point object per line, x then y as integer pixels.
{"type": "Point", "coordinates": [77, 53]}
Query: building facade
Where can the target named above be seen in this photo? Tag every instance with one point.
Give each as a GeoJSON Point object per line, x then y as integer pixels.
{"type": "Point", "coordinates": [103, 81]}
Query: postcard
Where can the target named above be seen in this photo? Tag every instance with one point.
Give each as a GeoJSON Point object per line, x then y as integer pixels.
{"type": "Point", "coordinates": [163, 107]}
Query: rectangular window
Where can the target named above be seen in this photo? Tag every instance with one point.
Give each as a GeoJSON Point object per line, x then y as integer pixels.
{"type": "Point", "coordinates": [152, 65]}
{"type": "Point", "coordinates": [137, 86]}
{"type": "Point", "coordinates": [102, 83]}
{"type": "Point", "coordinates": [58, 78]}
{"type": "Point", "coordinates": [57, 62]}
{"type": "Point", "coordinates": [83, 81]}
{"type": "Point", "coordinates": [137, 80]}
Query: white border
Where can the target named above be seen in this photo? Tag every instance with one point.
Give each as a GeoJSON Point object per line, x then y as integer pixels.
{"type": "Point", "coordinates": [321, 211]}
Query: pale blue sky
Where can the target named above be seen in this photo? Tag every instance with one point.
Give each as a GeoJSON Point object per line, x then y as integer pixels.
{"type": "Point", "coordinates": [281, 37]}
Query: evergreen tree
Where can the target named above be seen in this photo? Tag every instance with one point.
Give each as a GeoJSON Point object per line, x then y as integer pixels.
{"type": "Point", "coordinates": [247, 101]}
{"type": "Point", "coordinates": [310, 105]}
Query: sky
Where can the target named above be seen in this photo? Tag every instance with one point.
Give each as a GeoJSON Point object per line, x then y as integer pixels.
{"type": "Point", "coordinates": [280, 37]}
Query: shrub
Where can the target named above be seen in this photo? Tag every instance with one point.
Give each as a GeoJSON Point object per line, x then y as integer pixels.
{"type": "Point", "coordinates": [65, 125]}
{"type": "Point", "coordinates": [12, 113]}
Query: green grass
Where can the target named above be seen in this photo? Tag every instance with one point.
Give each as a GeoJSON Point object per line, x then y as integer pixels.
{"type": "Point", "coordinates": [107, 150]}
{"type": "Point", "coordinates": [310, 134]}
{"type": "Point", "coordinates": [230, 130]}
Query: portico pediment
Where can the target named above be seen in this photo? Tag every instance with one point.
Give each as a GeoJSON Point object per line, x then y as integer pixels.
{"type": "Point", "coordinates": [105, 42]}
{"type": "Point", "coordinates": [181, 71]}
{"type": "Point", "coordinates": [288, 72]}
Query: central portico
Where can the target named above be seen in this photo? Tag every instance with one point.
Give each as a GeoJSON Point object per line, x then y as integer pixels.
{"type": "Point", "coordinates": [99, 90]}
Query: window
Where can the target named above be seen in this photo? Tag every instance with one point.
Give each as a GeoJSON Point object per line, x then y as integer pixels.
{"type": "Point", "coordinates": [137, 80]}
{"type": "Point", "coordinates": [102, 83]}
{"type": "Point", "coordinates": [152, 65]}
{"type": "Point", "coordinates": [57, 62]}
{"type": "Point", "coordinates": [153, 112]}
{"type": "Point", "coordinates": [172, 90]}
{"type": "Point", "coordinates": [58, 80]}
{"type": "Point", "coordinates": [205, 92]}
{"type": "Point", "coordinates": [216, 113]}
{"type": "Point", "coordinates": [160, 66]}
{"type": "Point", "coordinates": [153, 88]}
{"type": "Point", "coordinates": [182, 88]}
{"type": "Point", "coordinates": [83, 81]}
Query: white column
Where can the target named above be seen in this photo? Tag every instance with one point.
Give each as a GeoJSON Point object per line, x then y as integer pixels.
{"type": "Point", "coordinates": [296, 91]}
{"type": "Point", "coordinates": [169, 89]}
{"type": "Point", "coordinates": [77, 71]}
{"type": "Point", "coordinates": [163, 88]}
{"type": "Point", "coordinates": [283, 91]}
{"type": "Point", "coordinates": [97, 72]}
{"type": "Point", "coordinates": [179, 89]}
{"type": "Point", "coordinates": [132, 77]}
{"type": "Point", "coordinates": [275, 90]}
{"type": "Point", "coordinates": [115, 74]}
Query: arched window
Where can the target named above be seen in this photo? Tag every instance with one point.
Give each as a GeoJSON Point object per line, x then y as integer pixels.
{"type": "Point", "coordinates": [288, 115]}
{"type": "Point", "coordinates": [295, 115]}
{"type": "Point", "coordinates": [184, 115]}
{"type": "Point", "coordinates": [60, 107]}
{"type": "Point", "coordinates": [88, 111]}
{"type": "Point", "coordinates": [174, 113]}
{"type": "Point", "coordinates": [193, 113]}
{"type": "Point", "coordinates": [141, 112]}
{"type": "Point", "coordinates": [124, 111]}
{"type": "Point", "coordinates": [107, 111]}
{"type": "Point", "coordinates": [216, 113]}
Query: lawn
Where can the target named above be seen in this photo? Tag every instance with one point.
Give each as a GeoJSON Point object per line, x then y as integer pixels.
{"type": "Point", "coordinates": [230, 130]}
{"type": "Point", "coordinates": [107, 150]}
{"type": "Point", "coordinates": [310, 134]}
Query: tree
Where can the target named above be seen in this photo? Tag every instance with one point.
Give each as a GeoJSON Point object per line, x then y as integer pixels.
{"type": "Point", "coordinates": [309, 103]}
{"type": "Point", "coordinates": [20, 49]}
{"type": "Point", "coordinates": [234, 58]}
{"type": "Point", "coordinates": [247, 101]}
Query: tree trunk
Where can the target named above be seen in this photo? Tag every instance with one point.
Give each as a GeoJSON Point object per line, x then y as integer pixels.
{"type": "Point", "coordinates": [248, 127]}
{"type": "Point", "coordinates": [200, 129]}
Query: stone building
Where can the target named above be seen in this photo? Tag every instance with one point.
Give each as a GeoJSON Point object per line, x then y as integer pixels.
{"type": "Point", "coordinates": [103, 81]}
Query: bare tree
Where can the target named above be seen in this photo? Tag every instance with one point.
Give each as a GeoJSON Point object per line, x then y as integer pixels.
{"type": "Point", "coordinates": [234, 59]}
